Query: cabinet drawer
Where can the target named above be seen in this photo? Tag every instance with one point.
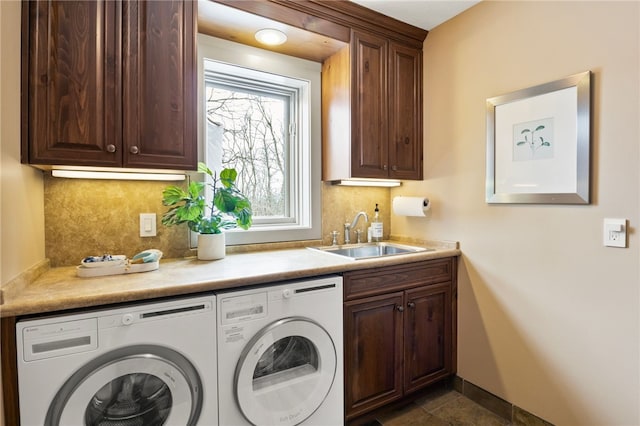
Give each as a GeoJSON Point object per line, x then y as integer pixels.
{"type": "Point", "coordinates": [393, 278]}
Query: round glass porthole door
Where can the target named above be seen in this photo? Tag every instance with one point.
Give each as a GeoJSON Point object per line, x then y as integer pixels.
{"type": "Point", "coordinates": [133, 399]}
{"type": "Point", "coordinates": [285, 372]}
{"type": "Point", "coordinates": [132, 386]}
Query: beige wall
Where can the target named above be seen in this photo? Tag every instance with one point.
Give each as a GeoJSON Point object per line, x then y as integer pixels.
{"type": "Point", "coordinates": [548, 317]}
{"type": "Point", "coordinates": [21, 188]}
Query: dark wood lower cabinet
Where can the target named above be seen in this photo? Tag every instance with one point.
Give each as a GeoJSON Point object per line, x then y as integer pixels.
{"type": "Point", "coordinates": [8, 357]}
{"type": "Point", "coordinates": [373, 351]}
{"type": "Point", "coordinates": [427, 336]}
{"type": "Point", "coordinates": [399, 332]}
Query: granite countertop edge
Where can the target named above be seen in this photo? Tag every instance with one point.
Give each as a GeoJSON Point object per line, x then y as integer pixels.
{"type": "Point", "coordinates": [60, 289]}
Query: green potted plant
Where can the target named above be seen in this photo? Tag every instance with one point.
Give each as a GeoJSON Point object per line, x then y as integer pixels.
{"type": "Point", "coordinates": [229, 209]}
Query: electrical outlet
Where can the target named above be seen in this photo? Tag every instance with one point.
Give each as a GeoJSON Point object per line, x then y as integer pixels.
{"type": "Point", "coordinates": [615, 233]}
{"type": "Point", "coordinates": [147, 224]}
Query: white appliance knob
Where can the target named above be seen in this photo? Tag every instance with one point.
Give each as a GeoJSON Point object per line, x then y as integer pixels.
{"type": "Point", "coordinates": [127, 319]}
{"type": "Point", "coordinates": [287, 293]}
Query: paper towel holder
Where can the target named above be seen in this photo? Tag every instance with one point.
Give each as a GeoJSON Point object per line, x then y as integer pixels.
{"type": "Point", "coordinates": [425, 201]}
{"type": "Point", "coordinates": [411, 206]}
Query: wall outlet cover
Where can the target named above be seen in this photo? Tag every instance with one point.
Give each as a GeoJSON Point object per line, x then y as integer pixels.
{"type": "Point", "coordinates": [615, 232]}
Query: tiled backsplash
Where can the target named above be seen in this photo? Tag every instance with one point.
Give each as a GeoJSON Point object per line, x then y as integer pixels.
{"type": "Point", "coordinates": [88, 217]}
{"type": "Point", "coordinates": [340, 204]}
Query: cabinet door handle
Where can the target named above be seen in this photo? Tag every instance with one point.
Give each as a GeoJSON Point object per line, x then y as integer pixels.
{"type": "Point", "coordinates": [111, 148]}
{"type": "Point", "coordinates": [411, 305]}
{"type": "Point", "coordinates": [134, 150]}
{"type": "Point", "coordinates": [394, 168]}
{"type": "Point", "coordinates": [400, 308]}
{"type": "Point", "coordinates": [384, 167]}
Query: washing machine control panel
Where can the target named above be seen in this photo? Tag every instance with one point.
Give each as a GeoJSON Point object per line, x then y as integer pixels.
{"type": "Point", "coordinates": [144, 315]}
{"type": "Point", "coordinates": [56, 339]}
{"type": "Point", "coordinates": [243, 308]}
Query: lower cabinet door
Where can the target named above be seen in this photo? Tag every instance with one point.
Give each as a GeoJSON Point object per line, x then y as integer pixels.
{"type": "Point", "coordinates": [427, 325]}
{"type": "Point", "coordinates": [373, 352]}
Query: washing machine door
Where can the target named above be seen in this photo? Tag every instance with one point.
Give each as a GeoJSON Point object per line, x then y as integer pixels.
{"type": "Point", "coordinates": [131, 386]}
{"type": "Point", "coordinates": [285, 372]}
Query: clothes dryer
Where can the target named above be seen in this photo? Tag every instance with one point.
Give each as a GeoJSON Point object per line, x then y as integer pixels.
{"type": "Point", "coordinates": [280, 354]}
{"type": "Point", "coordinates": [143, 364]}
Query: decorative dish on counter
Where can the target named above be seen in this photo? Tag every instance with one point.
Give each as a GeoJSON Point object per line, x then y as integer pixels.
{"type": "Point", "coordinates": [97, 266]}
{"type": "Point", "coordinates": [105, 261]}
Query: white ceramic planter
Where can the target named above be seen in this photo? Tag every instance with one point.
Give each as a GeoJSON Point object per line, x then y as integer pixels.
{"type": "Point", "coordinates": [211, 246]}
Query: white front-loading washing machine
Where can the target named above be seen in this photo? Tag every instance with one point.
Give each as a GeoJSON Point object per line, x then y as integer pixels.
{"type": "Point", "coordinates": [280, 359]}
{"type": "Point", "coordinates": [145, 364]}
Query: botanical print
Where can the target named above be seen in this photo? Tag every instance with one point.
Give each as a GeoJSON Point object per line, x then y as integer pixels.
{"type": "Point", "coordinates": [532, 140]}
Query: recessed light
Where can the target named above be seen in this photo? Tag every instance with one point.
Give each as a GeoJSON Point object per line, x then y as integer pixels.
{"type": "Point", "coordinates": [270, 36]}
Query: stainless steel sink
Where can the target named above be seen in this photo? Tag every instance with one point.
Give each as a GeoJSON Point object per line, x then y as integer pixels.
{"type": "Point", "coordinates": [370, 250]}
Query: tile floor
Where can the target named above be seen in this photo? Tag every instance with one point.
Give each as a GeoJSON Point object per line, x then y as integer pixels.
{"type": "Point", "coordinates": [442, 408]}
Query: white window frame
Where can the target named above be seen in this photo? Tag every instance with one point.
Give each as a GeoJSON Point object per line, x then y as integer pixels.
{"type": "Point", "coordinates": [306, 213]}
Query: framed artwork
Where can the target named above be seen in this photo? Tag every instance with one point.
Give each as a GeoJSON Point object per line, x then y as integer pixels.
{"type": "Point", "coordinates": [538, 143]}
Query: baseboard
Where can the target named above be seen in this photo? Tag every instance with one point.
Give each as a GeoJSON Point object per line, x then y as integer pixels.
{"type": "Point", "coordinates": [518, 416]}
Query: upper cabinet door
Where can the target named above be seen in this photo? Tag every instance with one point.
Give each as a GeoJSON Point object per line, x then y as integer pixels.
{"type": "Point", "coordinates": [369, 150]}
{"type": "Point", "coordinates": [71, 56]}
{"type": "Point", "coordinates": [386, 108]}
{"type": "Point", "coordinates": [159, 78]}
{"type": "Point", "coordinates": [405, 112]}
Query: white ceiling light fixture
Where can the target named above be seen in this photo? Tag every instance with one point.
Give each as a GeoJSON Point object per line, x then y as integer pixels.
{"type": "Point", "coordinates": [270, 36]}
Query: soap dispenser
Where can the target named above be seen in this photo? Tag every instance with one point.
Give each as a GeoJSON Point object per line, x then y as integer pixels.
{"type": "Point", "coordinates": [376, 226]}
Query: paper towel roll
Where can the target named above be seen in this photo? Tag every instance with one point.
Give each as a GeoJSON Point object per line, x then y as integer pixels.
{"type": "Point", "coordinates": [411, 206]}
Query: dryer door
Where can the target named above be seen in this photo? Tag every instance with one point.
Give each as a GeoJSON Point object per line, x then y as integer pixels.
{"type": "Point", "coordinates": [285, 372]}
{"type": "Point", "coordinates": [133, 386]}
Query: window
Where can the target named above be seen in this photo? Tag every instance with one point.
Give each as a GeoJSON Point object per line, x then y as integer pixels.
{"type": "Point", "coordinates": [260, 114]}
{"type": "Point", "coordinates": [251, 126]}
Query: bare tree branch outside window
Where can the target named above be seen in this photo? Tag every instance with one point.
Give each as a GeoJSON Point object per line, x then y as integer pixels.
{"type": "Point", "coordinates": [253, 140]}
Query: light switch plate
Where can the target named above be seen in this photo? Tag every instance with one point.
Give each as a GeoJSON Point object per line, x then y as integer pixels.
{"type": "Point", "coordinates": [615, 233]}
{"type": "Point", "coordinates": [147, 224]}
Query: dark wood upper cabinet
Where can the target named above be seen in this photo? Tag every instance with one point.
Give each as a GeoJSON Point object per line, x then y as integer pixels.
{"type": "Point", "coordinates": [386, 109]}
{"type": "Point", "coordinates": [109, 83]}
{"type": "Point", "coordinates": [159, 82]}
{"type": "Point", "coordinates": [405, 112]}
{"type": "Point", "coordinates": [372, 110]}
{"type": "Point", "coordinates": [73, 82]}
{"type": "Point", "coordinates": [369, 146]}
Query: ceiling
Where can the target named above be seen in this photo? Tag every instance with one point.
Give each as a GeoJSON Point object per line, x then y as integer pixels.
{"type": "Point", "coordinates": [425, 14]}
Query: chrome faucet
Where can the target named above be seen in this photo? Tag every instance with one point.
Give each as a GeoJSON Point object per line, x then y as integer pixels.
{"type": "Point", "coordinates": [349, 226]}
